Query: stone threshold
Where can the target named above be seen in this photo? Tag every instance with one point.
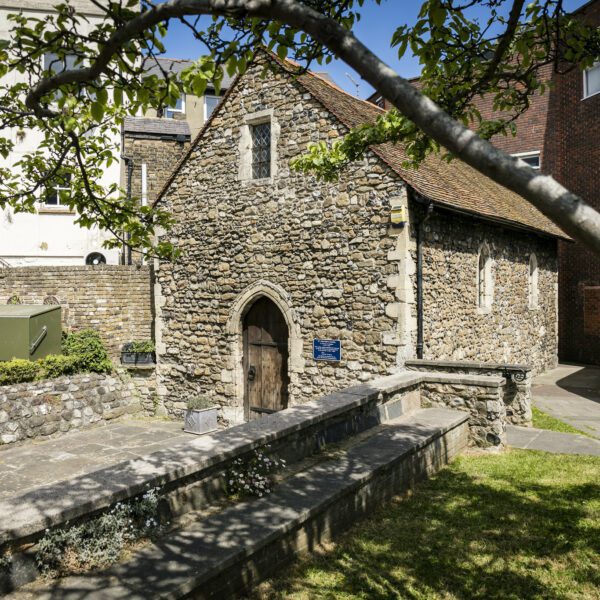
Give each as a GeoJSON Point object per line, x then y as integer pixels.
{"type": "Point", "coordinates": [230, 552]}
{"type": "Point", "coordinates": [342, 413]}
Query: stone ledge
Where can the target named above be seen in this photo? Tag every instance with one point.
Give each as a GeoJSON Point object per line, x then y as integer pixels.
{"type": "Point", "coordinates": [444, 364]}
{"type": "Point", "coordinates": [492, 381]}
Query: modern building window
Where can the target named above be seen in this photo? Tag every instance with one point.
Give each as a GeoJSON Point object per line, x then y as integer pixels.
{"type": "Point", "coordinates": [56, 64]}
{"type": "Point", "coordinates": [484, 279]}
{"type": "Point", "coordinates": [531, 158]}
{"type": "Point", "coordinates": [58, 193]}
{"type": "Point", "coordinates": [261, 150]}
{"type": "Point", "coordinates": [176, 109]}
{"type": "Point", "coordinates": [210, 103]}
{"type": "Point", "coordinates": [591, 81]}
{"type": "Point", "coordinates": [533, 282]}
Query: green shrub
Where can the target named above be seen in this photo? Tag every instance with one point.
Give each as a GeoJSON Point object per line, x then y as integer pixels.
{"type": "Point", "coordinates": [139, 346]}
{"type": "Point", "coordinates": [199, 403]}
{"type": "Point", "coordinates": [88, 347]}
{"type": "Point", "coordinates": [55, 365]}
{"type": "Point", "coordinates": [18, 370]}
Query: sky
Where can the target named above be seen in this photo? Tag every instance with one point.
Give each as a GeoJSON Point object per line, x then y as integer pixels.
{"type": "Point", "coordinates": [375, 29]}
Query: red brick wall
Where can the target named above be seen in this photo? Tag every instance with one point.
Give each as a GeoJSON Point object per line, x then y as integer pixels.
{"type": "Point", "coordinates": [572, 148]}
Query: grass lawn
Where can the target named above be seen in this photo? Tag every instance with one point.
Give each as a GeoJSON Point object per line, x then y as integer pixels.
{"type": "Point", "coordinates": [519, 525]}
{"type": "Point", "coordinates": [542, 420]}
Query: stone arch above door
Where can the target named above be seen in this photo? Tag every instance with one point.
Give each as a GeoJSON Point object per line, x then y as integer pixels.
{"type": "Point", "coordinates": [233, 373]}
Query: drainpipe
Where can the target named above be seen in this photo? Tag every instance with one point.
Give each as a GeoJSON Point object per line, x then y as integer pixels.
{"type": "Point", "coordinates": [129, 163]}
{"type": "Point", "coordinates": [420, 236]}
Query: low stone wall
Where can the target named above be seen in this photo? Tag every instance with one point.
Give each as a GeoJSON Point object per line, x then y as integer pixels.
{"type": "Point", "coordinates": [515, 395]}
{"type": "Point", "coordinates": [487, 423]}
{"type": "Point", "coordinates": [186, 472]}
{"type": "Point", "coordinates": [53, 406]}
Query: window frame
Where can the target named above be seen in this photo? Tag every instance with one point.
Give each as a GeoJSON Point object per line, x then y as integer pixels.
{"type": "Point", "coordinates": [586, 93]}
{"type": "Point", "coordinates": [59, 207]}
{"type": "Point", "coordinates": [174, 111]}
{"type": "Point", "coordinates": [530, 154]}
{"type": "Point", "coordinates": [217, 98]}
{"type": "Point", "coordinates": [533, 282]}
{"type": "Point", "coordinates": [485, 284]}
{"type": "Point", "coordinates": [269, 162]}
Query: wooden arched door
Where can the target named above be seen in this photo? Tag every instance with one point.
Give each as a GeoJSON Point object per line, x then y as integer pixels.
{"type": "Point", "coordinates": [265, 359]}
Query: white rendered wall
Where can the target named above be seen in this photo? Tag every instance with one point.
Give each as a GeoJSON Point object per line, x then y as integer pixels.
{"type": "Point", "coordinates": [51, 236]}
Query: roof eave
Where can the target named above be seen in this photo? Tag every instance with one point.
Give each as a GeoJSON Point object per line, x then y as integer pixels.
{"type": "Point", "coordinates": [508, 223]}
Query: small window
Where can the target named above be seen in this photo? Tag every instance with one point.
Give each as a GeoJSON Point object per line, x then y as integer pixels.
{"type": "Point", "coordinates": [261, 151]}
{"type": "Point", "coordinates": [533, 282]}
{"type": "Point", "coordinates": [58, 193]}
{"type": "Point", "coordinates": [177, 109]}
{"type": "Point", "coordinates": [531, 158]}
{"type": "Point", "coordinates": [484, 279]}
{"type": "Point", "coordinates": [591, 81]}
{"type": "Point", "coordinates": [210, 103]}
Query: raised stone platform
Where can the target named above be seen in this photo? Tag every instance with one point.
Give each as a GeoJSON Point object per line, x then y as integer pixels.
{"type": "Point", "coordinates": [228, 553]}
{"type": "Point", "coordinates": [190, 473]}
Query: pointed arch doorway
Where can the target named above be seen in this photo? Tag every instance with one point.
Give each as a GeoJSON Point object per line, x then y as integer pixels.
{"type": "Point", "coordinates": [265, 359]}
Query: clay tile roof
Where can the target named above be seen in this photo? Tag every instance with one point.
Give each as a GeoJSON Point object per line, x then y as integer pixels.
{"type": "Point", "coordinates": [454, 184]}
{"type": "Point", "coordinates": [156, 127]}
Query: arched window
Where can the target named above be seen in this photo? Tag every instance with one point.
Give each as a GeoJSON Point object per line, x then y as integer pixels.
{"type": "Point", "coordinates": [533, 282]}
{"type": "Point", "coordinates": [484, 278]}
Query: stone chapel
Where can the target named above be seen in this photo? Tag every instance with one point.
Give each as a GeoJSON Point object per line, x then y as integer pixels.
{"type": "Point", "coordinates": [289, 288]}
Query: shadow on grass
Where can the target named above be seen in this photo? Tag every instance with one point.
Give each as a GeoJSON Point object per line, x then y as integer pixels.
{"type": "Point", "coordinates": [516, 526]}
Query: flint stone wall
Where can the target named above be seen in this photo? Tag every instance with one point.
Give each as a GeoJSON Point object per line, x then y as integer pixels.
{"type": "Point", "coordinates": [515, 395]}
{"type": "Point", "coordinates": [455, 328]}
{"type": "Point", "coordinates": [325, 245]}
{"type": "Point", "coordinates": [50, 407]}
{"type": "Point", "coordinates": [114, 300]}
{"type": "Point", "coordinates": [487, 421]}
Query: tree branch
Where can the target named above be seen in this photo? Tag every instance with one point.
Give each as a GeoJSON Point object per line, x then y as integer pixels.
{"type": "Point", "coordinates": [567, 210]}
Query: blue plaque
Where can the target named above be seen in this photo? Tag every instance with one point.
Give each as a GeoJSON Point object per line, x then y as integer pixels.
{"type": "Point", "coordinates": [327, 350]}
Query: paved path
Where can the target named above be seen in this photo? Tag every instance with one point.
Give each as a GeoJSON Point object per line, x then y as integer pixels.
{"type": "Point", "coordinates": [528, 438]}
{"type": "Point", "coordinates": [570, 393]}
{"type": "Point", "coordinates": [38, 463]}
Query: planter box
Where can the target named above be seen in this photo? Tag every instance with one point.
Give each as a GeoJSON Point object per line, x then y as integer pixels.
{"type": "Point", "coordinates": [200, 421]}
{"type": "Point", "coordinates": [138, 358]}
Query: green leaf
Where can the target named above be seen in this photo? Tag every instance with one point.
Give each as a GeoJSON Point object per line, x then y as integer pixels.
{"type": "Point", "coordinates": [118, 96]}
{"type": "Point", "coordinates": [97, 111]}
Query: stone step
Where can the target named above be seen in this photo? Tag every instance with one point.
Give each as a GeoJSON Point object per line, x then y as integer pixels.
{"type": "Point", "coordinates": [227, 554]}
{"type": "Point", "coordinates": [190, 471]}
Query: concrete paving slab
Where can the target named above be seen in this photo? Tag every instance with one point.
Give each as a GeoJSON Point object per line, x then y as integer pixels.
{"type": "Point", "coordinates": [31, 465]}
{"type": "Point", "coordinates": [528, 438]}
{"type": "Point", "coordinates": [570, 393]}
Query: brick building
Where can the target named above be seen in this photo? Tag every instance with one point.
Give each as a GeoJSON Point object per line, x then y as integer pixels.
{"type": "Point", "coordinates": [276, 263]}
{"type": "Point", "coordinates": [560, 134]}
{"type": "Point", "coordinates": [153, 143]}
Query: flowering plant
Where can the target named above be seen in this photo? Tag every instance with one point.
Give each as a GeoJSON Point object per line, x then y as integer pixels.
{"type": "Point", "coordinates": [253, 476]}
{"type": "Point", "coordinates": [101, 540]}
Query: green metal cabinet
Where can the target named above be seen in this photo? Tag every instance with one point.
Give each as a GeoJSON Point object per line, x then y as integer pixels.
{"type": "Point", "coordinates": [28, 331]}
